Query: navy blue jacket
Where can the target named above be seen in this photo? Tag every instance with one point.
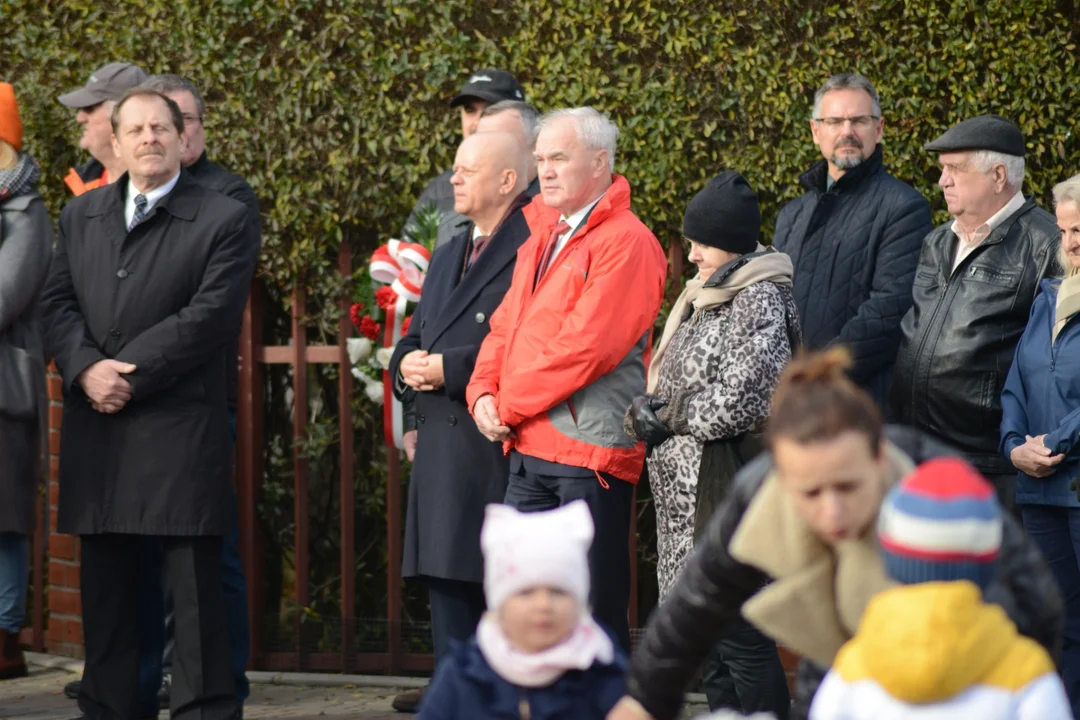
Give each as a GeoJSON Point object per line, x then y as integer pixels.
{"type": "Point", "coordinates": [1042, 396]}
{"type": "Point", "coordinates": [855, 247]}
{"type": "Point", "coordinates": [466, 688]}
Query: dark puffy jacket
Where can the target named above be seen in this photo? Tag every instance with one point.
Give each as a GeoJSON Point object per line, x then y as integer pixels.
{"type": "Point", "coordinates": [960, 336]}
{"type": "Point", "coordinates": [854, 247]}
{"type": "Point", "coordinates": [465, 687]}
{"type": "Point", "coordinates": [714, 586]}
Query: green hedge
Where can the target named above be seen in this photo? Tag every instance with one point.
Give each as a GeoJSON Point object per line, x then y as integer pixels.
{"type": "Point", "coordinates": [336, 112]}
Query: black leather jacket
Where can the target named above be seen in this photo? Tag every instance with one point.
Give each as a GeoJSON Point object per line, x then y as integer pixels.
{"type": "Point", "coordinates": [713, 587]}
{"type": "Point", "coordinates": [959, 338]}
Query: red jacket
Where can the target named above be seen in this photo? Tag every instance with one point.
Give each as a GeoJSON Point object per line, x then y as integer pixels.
{"type": "Point", "coordinates": [565, 360]}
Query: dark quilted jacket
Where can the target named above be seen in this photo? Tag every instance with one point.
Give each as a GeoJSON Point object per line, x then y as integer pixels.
{"type": "Point", "coordinates": [714, 586]}
{"type": "Point", "coordinates": [855, 247]}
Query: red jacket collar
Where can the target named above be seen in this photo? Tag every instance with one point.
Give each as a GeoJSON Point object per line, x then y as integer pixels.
{"type": "Point", "coordinates": [616, 199]}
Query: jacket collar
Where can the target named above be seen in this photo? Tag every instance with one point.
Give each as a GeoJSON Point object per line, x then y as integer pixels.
{"type": "Point", "coordinates": [181, 203]}
{"type": "Point", "coordinates": [199, 165]}
{"type": "Point", "coordinates": [819, 592]}
{"type": "Point", "coordinates": [542, 219]}
{"type": "Point", "coordinates": [814, 178]}
{"type": "Point", "coordinates": [726, 270]}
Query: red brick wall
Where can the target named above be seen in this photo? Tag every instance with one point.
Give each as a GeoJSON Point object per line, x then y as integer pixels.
{"type": "Point", "coordinates": [64, 635]}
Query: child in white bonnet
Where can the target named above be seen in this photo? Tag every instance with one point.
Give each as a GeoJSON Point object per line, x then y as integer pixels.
{"type": "Point", "coordinates": [538, 653]}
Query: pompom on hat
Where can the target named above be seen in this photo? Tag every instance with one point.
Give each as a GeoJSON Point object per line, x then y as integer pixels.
{"type": "Point", "coordinates": [542, 549]}
{"type": "Point", "coordinates": [11, 128]}
{"type": "Point", "coordinates": [941, 523]}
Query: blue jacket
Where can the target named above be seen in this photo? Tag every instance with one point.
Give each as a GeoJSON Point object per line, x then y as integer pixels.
{"type": "Point", "coordinates": [466, 688]}
{"type": "Point", "coordinates": [1042, 396]}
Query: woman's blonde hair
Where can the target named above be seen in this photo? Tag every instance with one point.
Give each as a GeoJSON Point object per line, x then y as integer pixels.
{"type": "Point", "coordinates": [8, 157]}
{"type": "Point", "coordinates": [1067, 191]}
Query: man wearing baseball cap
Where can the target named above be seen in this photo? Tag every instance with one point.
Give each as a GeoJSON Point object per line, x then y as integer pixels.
{"type": "Point", "coordinates": [974, 285]}
{"type": "Point", "coordinates": [483, 88]}
{"type": "Point", "coordinates": [93, 104]}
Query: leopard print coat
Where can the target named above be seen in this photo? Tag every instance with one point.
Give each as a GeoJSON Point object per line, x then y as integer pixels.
{"type": "Point", "coordinates": [729, 358]}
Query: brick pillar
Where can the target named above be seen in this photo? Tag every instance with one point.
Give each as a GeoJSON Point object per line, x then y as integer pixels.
{"type": "Point", "coordinates": [64, 636]}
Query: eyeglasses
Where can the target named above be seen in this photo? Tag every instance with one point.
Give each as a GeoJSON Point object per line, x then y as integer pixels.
{"type": "Point", "coordinates": [190, 119]}
{"type": "Point", "coordinates": [859, 122]}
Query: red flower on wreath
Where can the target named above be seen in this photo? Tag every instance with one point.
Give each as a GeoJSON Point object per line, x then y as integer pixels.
{"type": "Point", "coordinates": [369, 328]}
{"type": "Point", "coordinates": [385, 297]}
{"type": "Point", "coordinates": [405, 325]}
{"type": "Point", "coordinates": [355, 313]}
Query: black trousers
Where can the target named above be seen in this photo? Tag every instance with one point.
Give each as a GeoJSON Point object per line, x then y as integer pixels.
{"type": "Point", "coordinates": [202, 681]}
{"type": "Point", "coordinates": [609, 557]}
{"type": "Point", "coordinates": [456, 607]}
{"type": "Point", "coordinates": [744, 674]}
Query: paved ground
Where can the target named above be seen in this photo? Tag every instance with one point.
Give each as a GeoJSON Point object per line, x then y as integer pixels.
{"type": "Point", "coordinates": [41, 697]}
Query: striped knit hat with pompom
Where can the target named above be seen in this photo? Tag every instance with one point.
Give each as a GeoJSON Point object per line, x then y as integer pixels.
{"type": "Point", "coordinates": [940, 523]}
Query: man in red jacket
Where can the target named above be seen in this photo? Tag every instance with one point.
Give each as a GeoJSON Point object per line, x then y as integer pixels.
{"type": "Point", "coordinates": [569, 345]}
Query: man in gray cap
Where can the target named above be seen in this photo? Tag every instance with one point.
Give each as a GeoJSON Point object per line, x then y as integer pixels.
{"type": "Point", "coordinates": [976, 280]}
{"type": "Point", "coordinates": [94, 103]}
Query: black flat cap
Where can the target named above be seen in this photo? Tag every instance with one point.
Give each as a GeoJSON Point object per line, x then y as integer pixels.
{"type": "Point", "coordinates": [985, 132]}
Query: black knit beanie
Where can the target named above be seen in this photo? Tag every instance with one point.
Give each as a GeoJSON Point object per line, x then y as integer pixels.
{"type": "Point", "coordinates": [724, 215]}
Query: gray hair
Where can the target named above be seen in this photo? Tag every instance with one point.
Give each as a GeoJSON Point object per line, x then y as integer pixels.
{"type": "Point", "coordinates": [530, 117]}
{"type": "Point", "coordinates": [847, 81]}
{"type": "Point", "coordinates": [1067, 191]}
{"type": "Point", "coordinates": [175, 83]}
{"type": "Point", "coordinates": [594, 129]}
{"type": "Point", "coordinates": [985, 160]}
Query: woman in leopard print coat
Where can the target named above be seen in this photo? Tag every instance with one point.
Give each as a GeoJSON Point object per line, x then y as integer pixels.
{"type": "Point", "coordinates": [725, 343]}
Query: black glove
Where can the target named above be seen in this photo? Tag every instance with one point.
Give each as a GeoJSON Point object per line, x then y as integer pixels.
{"type": "Point", "coordinates": [647, 426]}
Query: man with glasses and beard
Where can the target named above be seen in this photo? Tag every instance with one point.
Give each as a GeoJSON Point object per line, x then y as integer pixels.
{"type": "Point", "coordinates": [854, 236]}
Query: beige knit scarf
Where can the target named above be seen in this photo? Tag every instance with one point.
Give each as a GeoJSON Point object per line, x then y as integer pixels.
{"type": "Point", "coordinates": [774, 267]}
{"type": "Point", "coordinates": [1068, 302]}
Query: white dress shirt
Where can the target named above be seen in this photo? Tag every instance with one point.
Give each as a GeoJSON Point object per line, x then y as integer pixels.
{"type": "Point", "coordinates": [152, 197]}
{"type": "Point", "coordinates": [967, 243]}
{"type": "Point", "coordinates": [573, 221]}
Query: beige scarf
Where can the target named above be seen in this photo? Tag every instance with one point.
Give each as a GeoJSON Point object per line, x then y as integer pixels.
{"type": "Point", "coordinates": [1068, 302]}
{"type": "Point", "coordinates": [819, 591]}
{"type": "Point", "coordinates": [775, 267]}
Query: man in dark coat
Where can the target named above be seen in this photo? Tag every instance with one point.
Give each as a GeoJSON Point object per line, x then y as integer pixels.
{"type": "Point", "coordinates": [854, 236]}
{"type": "Point", "coordinates": [457, 471]}
{"type": "Point", "coordinates": [976, 280]}
{"type": "Point", "coordinates": [145, 294]}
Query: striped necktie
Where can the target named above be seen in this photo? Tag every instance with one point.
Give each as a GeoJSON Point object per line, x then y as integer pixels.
{"type": "Point", "coordinates": [140, 211]}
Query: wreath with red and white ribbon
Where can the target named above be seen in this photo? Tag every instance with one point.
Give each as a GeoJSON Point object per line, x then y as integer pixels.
{"type": "Point", "coordinates": [398, 268]}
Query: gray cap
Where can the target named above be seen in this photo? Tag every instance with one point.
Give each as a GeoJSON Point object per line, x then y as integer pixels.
{"type": "Point", "coordinates": [985, 132]}
{"type": "Point", "coordinates": [107, 83]}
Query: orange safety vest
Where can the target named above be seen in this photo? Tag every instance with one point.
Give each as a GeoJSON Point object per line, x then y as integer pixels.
{"type": "Point", "coordinates": [78, 187]}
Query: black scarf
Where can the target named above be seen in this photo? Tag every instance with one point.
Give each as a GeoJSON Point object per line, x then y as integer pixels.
{"type": "Point", "coordinates": [20, 179]}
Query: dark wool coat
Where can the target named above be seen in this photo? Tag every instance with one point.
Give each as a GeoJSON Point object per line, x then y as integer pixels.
{"type": "Point", "coordinates": [457, 471]}
{"type": "Point", "coordinates": [25, 248]}
{"type": "Point", "coordinates": [168, 298]}
{"type": "Point", "coordinates": [854, 248]}
{"type": "Point", "coordinates": [465, 686]}
{"type": "Point", "coordinates": [214, 177]}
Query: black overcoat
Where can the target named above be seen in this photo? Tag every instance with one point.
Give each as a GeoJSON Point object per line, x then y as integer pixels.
{"type": "Point", "coordinates": [167, 297]}
{"type": "Point", "coordinates": [456, 471]}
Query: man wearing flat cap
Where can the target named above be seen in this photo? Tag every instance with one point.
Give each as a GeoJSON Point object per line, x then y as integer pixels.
{"type": "Point", "coordinates": [976, 280]}
{"type": "Point", "coordinates": [93, 104]}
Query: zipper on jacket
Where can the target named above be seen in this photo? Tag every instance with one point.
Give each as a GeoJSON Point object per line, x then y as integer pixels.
{"type": "Point", "coordinates": [524, 710]}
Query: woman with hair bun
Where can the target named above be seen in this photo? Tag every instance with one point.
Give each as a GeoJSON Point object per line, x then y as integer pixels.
{"type": "Point", "coordinates": [792, 548]}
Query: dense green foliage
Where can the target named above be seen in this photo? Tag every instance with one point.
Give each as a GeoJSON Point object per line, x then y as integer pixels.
{"type": "Point", "coordinates": [336, 111]}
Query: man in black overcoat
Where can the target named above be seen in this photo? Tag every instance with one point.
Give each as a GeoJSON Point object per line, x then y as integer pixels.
{"type": "Point", "coordinates": [144, 297]}
{"type": "Point", "coordinates": [457, 471]}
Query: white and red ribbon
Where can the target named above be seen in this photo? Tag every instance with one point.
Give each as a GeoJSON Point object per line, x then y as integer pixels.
{"type": "Point", "coordinates": [401, 265]}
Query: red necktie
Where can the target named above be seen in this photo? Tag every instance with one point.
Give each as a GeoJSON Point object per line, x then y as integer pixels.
{"type": "Point", "coordinates": [478, 245]}
{"type": "Point", "coordinates": [545, 259]}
